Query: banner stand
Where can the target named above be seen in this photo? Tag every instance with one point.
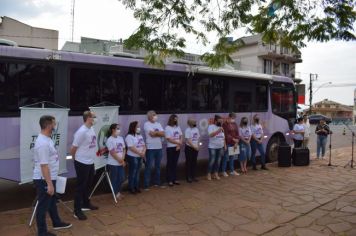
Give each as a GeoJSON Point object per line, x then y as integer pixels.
{"type": "Point", "coordinates": [29, 130]}
{"type": "Point", "coordinates": [107, 113]}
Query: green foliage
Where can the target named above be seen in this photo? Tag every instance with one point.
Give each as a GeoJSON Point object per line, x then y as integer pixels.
{"type": "Point", "coordinates": [290, 23]}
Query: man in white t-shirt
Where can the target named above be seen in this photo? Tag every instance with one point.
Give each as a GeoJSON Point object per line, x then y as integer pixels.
{"type": "Point", "coordinates": [45, 173]}
{"type": "Point", "coordinates": [83, 151]}
{"type": "Point", "coordinates": [154, 133]}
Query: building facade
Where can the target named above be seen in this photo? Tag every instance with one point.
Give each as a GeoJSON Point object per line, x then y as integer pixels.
{"type": "Point", "coordinates": [334, 110]}
{"type": "Point", "coordinates": [257, 56]}
{"type": "Point", "coordinates": [27, 36]}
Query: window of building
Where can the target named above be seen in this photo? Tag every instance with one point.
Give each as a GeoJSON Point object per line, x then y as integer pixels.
{"type": "Point", "coordinates": [209, 93]}
{"type": "Point", "coordinates": [285, 69]}
{"type": "Point", "coordinates": [25, 84]}
{"type": "Point", "coordinates": [90, 86]}
{"type": "Point", "coordinates": [162, 92]}
{"type": "Point", "coordinates": [267, 66]}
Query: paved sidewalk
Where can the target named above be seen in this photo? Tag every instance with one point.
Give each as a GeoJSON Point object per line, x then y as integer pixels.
{"type": "Point", "coordinates": [307, 201]}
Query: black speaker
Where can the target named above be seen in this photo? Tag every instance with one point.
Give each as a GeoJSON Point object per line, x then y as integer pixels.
{"type": "Point", "coordinates": [300, 156]}
{"type": "Point", "coordinates": [284, 156]}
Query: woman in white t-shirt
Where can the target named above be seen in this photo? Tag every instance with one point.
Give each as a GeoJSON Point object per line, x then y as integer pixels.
{"type": "Point", "coordinates": [136, 150]}
{"type": "Point", "coordinates": [256, 143]}
{"type": "Point", "coordinates": [298, 133]}
{"type": "Point", "coordinates": [173, 134]}
{"type": "Point", "coordinates": [245, 147]}
{"type": "Point", "coordinates": [217, 146]}
{"type": "Point", "coordinates": [116, 163]}
{"type": "Point", "coordinates": [192, 136]}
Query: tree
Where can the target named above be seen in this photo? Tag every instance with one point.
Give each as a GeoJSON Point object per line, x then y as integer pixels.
{"type": "Point", "coordinates": [287, 22]}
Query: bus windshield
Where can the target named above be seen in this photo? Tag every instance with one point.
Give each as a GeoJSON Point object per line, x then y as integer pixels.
{"type": "Point", "coordinates": [283, 102]}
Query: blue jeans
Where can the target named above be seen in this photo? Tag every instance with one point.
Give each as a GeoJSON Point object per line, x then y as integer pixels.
{"type": "Point", "coordinates": [45, 203]}
{"type": "Point", "coordinates": [153, 156]}
{"type": "Point", "coordinates": [117, 177]}
{"type": "Point", "coordinates": [257, 146]}
{"type": "Point", "coordinates": [134, 172]}
{"type": "Point", "coordinates": [320, 145]}
{"type": "Point", "coordinates": [215, 155]}
{"type": "Point", "coordinates": [227, 158]}
{"type": "Point", "coordinates": [245, 151]}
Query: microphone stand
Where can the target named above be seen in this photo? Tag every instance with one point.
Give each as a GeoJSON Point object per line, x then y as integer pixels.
{"type": "Point", "coordinates": [330, 150]}
{"type": "Point", "coordinates": [351, 163]}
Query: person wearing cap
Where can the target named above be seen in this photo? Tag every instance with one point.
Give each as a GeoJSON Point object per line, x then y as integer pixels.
{"type": "Point", "coordinates": [322, 131]}
{"type": "Point", "coordinates": [192, 137]}
{"type": "Point", "coordinates": [46, 167]}
{"type": "Point", "coordinates": [232, 140]}
{"type": "Point", "coordinates": [256, 143]}
{"type": "Point", "coordinates": [298, 133]}
{"type": "Point", "coordinates": [154, 133]}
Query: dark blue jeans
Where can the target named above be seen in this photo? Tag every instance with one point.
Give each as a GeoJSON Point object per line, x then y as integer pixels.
{"type": "Point", "coordinates": [117, 177]}
{"type": "Point", "coordinates": [257, 146]}
{"type": "Point", "coordinates": [153, 156]}
{"type": "Point", "coordinates": [134, 172]}
{"type": "Point", "coordinates": [172, 161]}
{"type": "Point", "coordinates": [215, 155]}
{"type": "Point", "coordinates": [45, 203]}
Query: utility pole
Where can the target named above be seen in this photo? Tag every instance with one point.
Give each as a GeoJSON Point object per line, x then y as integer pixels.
{"type": "Point", "coordinates": [72, 22]}
{"type": "Point", "coordinates": [311, 91]}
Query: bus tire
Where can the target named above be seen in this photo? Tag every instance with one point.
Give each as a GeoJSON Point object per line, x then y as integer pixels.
{"type": "Point", "coordinates": [272, 148]}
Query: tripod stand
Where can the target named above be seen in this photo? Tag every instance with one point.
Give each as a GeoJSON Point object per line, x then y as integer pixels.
{"type": "Point", "coordinates": [104, 174]}
{"type": "Point", "coordinates": [351, 162]}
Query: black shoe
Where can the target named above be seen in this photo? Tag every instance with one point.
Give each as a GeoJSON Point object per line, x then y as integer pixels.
{"type": "Point", "coordinates": [176, 183]}
{"type": "Point", "coordinates": [132, 191]}
{"type": "Point", "coordinates": [195, 180]}
{"type": "Point", "coordinates": [62, 225]}
{"type": "Point", "coordinates": [189, 180]}
{"type": "Point", "coordinates": [254, 168]}
{"type": "Point", "coordinates": [80, 215]}
{"type": "Point", "coordinates": [50, 234]}
{"type": "Point", "coordinates": [264, 168]}
{"type": "Point", "coordinates": [90, 207]}
{"type": "Point", "coordinates": [138, 190]}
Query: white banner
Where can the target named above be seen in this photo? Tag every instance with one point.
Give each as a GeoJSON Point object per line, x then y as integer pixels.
{"type": "Point", "coordinates": [105, 117]}
{"type": "Point", "coordinates": [29, 130]}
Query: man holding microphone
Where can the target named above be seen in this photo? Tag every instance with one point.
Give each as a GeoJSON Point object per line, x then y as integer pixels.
{"type": "Point", "coordinates": [45, 173]}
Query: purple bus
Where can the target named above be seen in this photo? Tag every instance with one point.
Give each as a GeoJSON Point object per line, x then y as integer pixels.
{"type": "Point", "coordinates": [78, 80]}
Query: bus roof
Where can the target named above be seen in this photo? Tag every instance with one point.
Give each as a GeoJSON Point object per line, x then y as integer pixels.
{"type": "Point", "coordinates": [45, 54]}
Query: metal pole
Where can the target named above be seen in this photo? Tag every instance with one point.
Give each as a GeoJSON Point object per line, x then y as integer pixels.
{"type": "Point", "coordinates": [310, 93]}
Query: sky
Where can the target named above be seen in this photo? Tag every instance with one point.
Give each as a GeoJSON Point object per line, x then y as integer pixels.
{"type": "Point", "coordinates": [333, 61]}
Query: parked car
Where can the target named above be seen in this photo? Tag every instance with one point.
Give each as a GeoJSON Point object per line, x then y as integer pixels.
{"type": "Point", "coordinates": [315, 119]}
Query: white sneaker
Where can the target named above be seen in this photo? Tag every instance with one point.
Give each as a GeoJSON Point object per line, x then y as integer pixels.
{"type": "Point", "coordinates": [234, 173]}
{"type": "Point", "coordinates": [217, 176]}
{"type": "Point", "coordinates": [225, 174]}
{"type": "Point", "coordinates": [208, 177]}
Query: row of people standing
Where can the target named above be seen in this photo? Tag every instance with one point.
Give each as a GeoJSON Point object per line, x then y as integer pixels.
{"type": "Point", "coordinates": [226, 137]}
{"type": "Point", "coordinates": [301, 135]}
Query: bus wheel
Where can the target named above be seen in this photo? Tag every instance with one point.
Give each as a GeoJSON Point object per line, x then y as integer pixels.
{"type": "Point", "coordinates": [272, 149]}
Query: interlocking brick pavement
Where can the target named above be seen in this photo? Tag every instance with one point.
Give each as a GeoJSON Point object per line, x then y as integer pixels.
{"type": "Point", "coordinates": [313, 200]}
